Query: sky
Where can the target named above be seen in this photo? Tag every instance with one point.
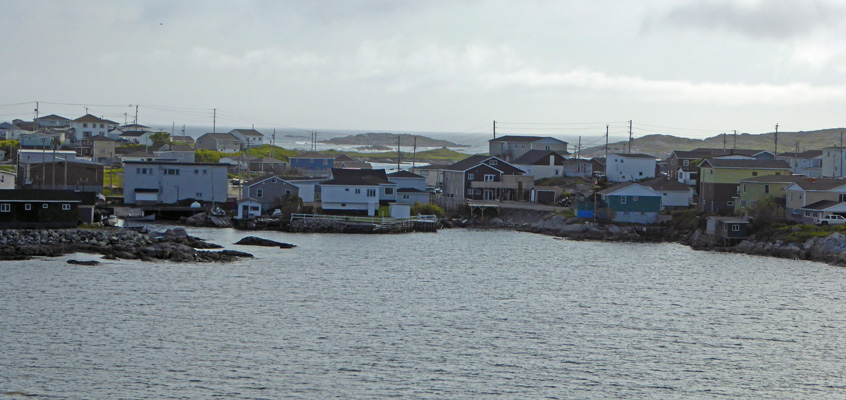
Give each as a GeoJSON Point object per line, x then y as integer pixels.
{"type": "Point", "coordinates": [685, 68]}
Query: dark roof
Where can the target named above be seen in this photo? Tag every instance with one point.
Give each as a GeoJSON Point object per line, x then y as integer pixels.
{"type": "Point", "coordinates": [183, 138]}
{"type": "Point", "coordinates": [662, 183]}
{"type": "Point", "coordinates": [311, 155]}
{"type": "Point", "coordinates": [473, 161]}
{"type": "Point", "coordinates": [804, 154]}
{"type": "Point", "coordinates": [99, 138]}
{"type": "Point", "coordinates": [353, 164]}
{"type": "Point", "coordinates": [533, 156]}
{"type": "Point", "coordinates": [6, 125]}
{"type": "Point", "coordinates": [39, 195]}
{"type": "Point", "coordinates": [523, 139]}
{"type": "Point", "coordinates": [600, 160]}
{"type": "Point", "coordinates": [247, 132]}
{"type": "Point", "coordinates": [365, 177]}
{"type": "Point", "coordinates": [343, 157]}
{"type": "Point", "coordinates": [176, 147]}
{"type": "Point", "coordinates": [636, 155]}
{"type": "Point", "coordinates": [616, 187]}
{"type": "Point", "coordinates": [172, 162]}
{"type": "Point", "coordinates": [220, 136]}
{"type": "Point", "coordinates": [133, 133]}
{"type": "Point", "coordinates": [53, 117]}
{"type": "Point", "coordinates": [135, 126]}
{"type": "Point", "coordinates": [821, 205]}
{"type": "Point", "coordinates": [91, 118]}
{"type": "Point", "coordinates": [759, 164]}
{"type": "Point", "coordinates": [409, 190]}
{"type": "Point", "coordinates": [820, 184]}
{"type": "Point", "coordinates": [432, 167]}
{"type": "Point", "coordinates": [778, 179]}
{"type": "Point", "coordinates": [262, 179]}
{"type": "Point", "coordinates": [729, 152]}
{"type": "Point", "coordinates": [404, 174]}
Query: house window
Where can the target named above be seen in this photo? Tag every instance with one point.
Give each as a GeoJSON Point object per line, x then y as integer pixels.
{"type": "Point", "coordinates": [842, 197]}
{"type": "Point", "coordinates": [742, 203]}
{"type": "Point", "coordinates": [196, 172]}
{"type": "Point", "coordinates": [634, 198]}
{"type": "Point", "coordinates": [489, 178]}
{"type": "Point", "coordinates": [5, 207]}
{"type": "Point", "coordinates": [45, 205]}
{"type": "Point", "coordinates": [766, 188]}
{"type": "Point", "coordinates": [27, 206]}
{"type": "Point", "coordinates": [735, 228]}
{"type": "Point", "coordinates": [287, 192]}
{"type": "Point", "coordinates": [478, 191]}
{"type": "Point", "coordinates": [205, 172]}
{"type": "Point", "coordinates": [730, 203]}
{"type": "Point", "coordinates": [371, 192]}
{"type": "Point", "coordinates": [640, 173]}
{"type": "Point", "coordinates": [548, 148]}
{"type": "Point", "coordinates": [171, 171]}
{"type": "Point", "coordinates": [686, 163]}
{"type": "Point", "coordinates": [752, 203]}
{"type": "Point", "coordinates": [65, 207]}
{"type": "Point", "coordinates": [469, 192]}
{"type": "Point", "coordinates": [198, 195]}
{"type": "Point", "coordinates": [405, 197]}
{"type": "Point", "coordinates": [389, 191]}
{"type": "Point", "coordinates": [357, 191]}
{"type": "Point", "coordinates": [470, 177]}
{"type": "Point", "coordinates": [493, 162]}
{"type": "Point", "coordinates": [754, 173]}
{"type": "Point", "coordinates": [744, 188]}
{"type": "Point", "coordinates": [260, 193]}
{"type": "Point", "coordinates": [622, 199]}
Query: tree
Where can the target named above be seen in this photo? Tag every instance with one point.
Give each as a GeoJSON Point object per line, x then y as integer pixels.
{"type": "Point", "coordinates": [160, 139]}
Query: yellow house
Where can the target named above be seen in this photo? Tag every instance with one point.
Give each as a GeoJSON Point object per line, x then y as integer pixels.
{"type": "Point", "coordinates": [813, 197]}
{"type": "Point", "coordinates": [719, 179]}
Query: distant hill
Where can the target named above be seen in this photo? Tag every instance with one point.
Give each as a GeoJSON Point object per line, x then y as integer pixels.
{"type": "Point", "coordinates": [661, 146]}
{"type": "Point", "coordinates": [390, 140]}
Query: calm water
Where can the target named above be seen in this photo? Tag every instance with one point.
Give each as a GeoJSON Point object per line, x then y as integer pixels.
{"type": "Point", "coordinates": [458, 314]}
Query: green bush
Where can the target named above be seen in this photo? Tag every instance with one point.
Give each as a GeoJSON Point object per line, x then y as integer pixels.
{"type": "Point", "coordinates": [427, 209]}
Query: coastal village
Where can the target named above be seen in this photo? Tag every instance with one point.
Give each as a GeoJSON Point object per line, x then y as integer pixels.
{"type": "Point", "coordinates": [62, 173]}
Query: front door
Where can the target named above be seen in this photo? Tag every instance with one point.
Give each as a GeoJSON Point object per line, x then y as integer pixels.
{"type": "Point", "coordinates": [488, 194]}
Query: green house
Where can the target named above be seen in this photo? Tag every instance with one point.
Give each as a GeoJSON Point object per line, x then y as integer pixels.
{"type": "Point", "coordinates": [752, 191]}
{"type": "Point", "coordinates": [632, 202]}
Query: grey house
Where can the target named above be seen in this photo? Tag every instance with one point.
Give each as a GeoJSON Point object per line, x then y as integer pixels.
{"type": "Point", "coordinates": [271, 191]}
{"type": "Point", "coordinates": [167, 182]}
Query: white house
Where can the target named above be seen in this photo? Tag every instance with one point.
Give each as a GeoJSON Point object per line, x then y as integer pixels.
{"type": "Point", "coordinates": [623, 167]}
{"type": "Point", "coordinates": [88, 126]}
{"type": "Point", "coordinates": [510, 148]}
{"type": "Point", "coordinates": [356, 191]}
{"type": "Point", "coordinates": [541, 164]}
{"type": "Point", "coordinates": [136, 137]}
{"type": "Point", "coordinates": [674, 194]}
{"type": "Point", "coordinates": [28, 156]}
{"type": "Point", "coordinates": [411, 188]}
{"type": "Point", "coordinates": [808, 163]}
{"type": "Point", "coordinates": [249, 208]}
{"type": "Point", "coordinates": [167, 182]}
{"type": "Point", "coordinates": [248, 137]}
{"type": "Point", "coordinates": [833, 162]}
{"type": "Point", "coordinates": [10, 132]}
{"type": "Point", "coordinates": [7, 180]}
{"type": "Point", "coordinates": [223, 142]}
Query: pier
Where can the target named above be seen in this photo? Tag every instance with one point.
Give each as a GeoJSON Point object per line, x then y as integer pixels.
{"type": "Point", "coordinates": [356, 224]}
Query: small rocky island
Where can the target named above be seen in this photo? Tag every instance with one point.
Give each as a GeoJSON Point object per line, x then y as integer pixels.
{"type": "Point", "coordinates": [171, 245]}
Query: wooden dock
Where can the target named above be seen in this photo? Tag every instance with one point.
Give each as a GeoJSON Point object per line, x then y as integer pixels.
{"type": "Point", "coordinates": [355, 224]}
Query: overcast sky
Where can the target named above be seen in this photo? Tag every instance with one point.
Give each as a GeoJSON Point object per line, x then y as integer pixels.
{"type": "Point", "coordinates": [688, 68]}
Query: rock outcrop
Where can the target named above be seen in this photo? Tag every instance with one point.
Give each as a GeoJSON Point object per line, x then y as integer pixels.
{"type": "Point", "coordinates": [257, 241]}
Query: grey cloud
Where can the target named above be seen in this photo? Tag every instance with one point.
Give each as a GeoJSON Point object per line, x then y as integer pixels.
{"type": "Point", "coordinates": [771, 19]}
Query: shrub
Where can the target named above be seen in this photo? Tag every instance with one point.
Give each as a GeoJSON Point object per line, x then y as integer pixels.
{"type": "Point", "coordinates": [427, 209]}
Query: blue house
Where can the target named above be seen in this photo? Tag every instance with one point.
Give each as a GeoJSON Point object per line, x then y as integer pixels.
{"type": "Point", "coordinates": [312, 162]}
{"type": "Point", "coordinates": [632, 202]}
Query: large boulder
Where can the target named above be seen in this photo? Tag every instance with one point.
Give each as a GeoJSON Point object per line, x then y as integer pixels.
{"type": "Point", "coordinates": [257, 241]}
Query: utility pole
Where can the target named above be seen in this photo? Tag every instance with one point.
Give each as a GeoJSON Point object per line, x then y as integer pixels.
{"type": "Point", "coordinates": [795, 154]}
{"type": "Point", "coordinates": [124, 119]}
{"type": "Point", "coordinates": [840, 150]}
{"type": "Point", "coordinates": [776, 139]}
{"type": "Point", "coordinates": [86, 110]}
{"type": "Point", "coordinates": [579, 151]}
{"type": "Point", "coordinates": [630, 136]}
{"type": "Point", "coordinates": [214, 120]}
{"type": "Point", "coordinates": [414, 153]}
{"type": "Point", "coordinates": [273, 138]}
{"type": "Point", "coordinates": [735, 140]}
{"type": "Point", "coordinates": [724, 141]}
{"type": "Point", "coordinates": [606, 145]}
{"type": "Point", "coordinates": [136, 116]}
{"type": "Point", "coordinates": [494, 129]}
{"type": "Point", "coordinates": [398, 154]}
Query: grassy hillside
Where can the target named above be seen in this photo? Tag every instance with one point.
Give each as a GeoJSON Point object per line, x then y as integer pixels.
{"type": "Point", "coordinates": [661, 145]}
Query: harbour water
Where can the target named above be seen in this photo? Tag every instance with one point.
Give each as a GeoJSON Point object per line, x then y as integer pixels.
{"type": "Point", "coordinates": [460, 314]}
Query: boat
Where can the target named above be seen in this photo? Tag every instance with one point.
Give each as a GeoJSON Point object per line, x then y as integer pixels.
{"type": "Point", "coordinates": [111, 220]}
{"type": "Point", "coordinates": [145, 217]}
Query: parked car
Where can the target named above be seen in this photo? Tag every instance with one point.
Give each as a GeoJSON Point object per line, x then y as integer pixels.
{"type": "Point", "coordinates": [832, 219]}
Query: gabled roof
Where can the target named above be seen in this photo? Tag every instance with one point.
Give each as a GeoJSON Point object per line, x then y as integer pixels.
{"type": "Point", "coordinates": [523, 139]}
{"type": "Point", "coordinates": [625, 185]}
{"type": "Point", "coordinates": [533, 156]}
{"type": "Point", "coordinates": [52, 117]}
{"type": "Point", "coordinates": [353, 164]}
{"type": "Point", "coordinates": [134, 127]}
{"type": "Point", "coordinates": [820, 184]}
{"type": "Point", "coordinates": [804, 154]}
{"type": "Point", "coordinates": [745, 164]}
{"type": "Point", "coordinates": [262, 179]}
{"type": "Point", "coordinates": [635, 155]}
{"type": "Point", "coordinates": [664, 184]}
{"type": "Point", "coordinates": [6, 125]}
{"type": "Point", "coordinates": [248, 132]}
{"type": "Point", "coordinates": [176, 147]}
{"type": "Point", "coordinates": [133, 133]}
{"type": "Point", "coordinates": [473, 161]}
{"type": "Point", "coordinates": [404, 174]}
{"type": "Point", "coordinates": [184, 138]}
{"type": "Point", "coordinates": [363, 177]}
{"type": "Point", "coordinates": [343, 157]}
{"type": "Point", "coordinates": [99, 138]}
{"type": "Point", "coordinates": [822, 205]}
{"type": "Point", "coordinates": [220, 136]}
{"type": "Point", "coordinates": [91, 118]}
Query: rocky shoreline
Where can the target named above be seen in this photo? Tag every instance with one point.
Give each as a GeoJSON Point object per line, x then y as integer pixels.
{"type": "Point", "coordinates": [171, 245]}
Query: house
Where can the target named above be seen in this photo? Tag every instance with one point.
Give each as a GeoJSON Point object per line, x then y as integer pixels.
{"type": "Point", "coordinates": [10, 131]}
{"type": "Point", "coordinates": [182, 139]}
{"type": "Point", "coordinates": [682, 165]}
{"type": "Point", "coordinates": [176, 151]}
{"type": "Point", "coordinates": [674, 194]}
{"type": "Point", "coordinates": [53, 121]}
{"type": "Point", "coordinates": [433, 173]}
{"type": "Point", "coordinates": [482, 177]}
{"type": "Point", "coordinates": [577, 167]}
{"type": "Point", "coordinates": [541, 164]}
{"type": "Point", "coordinates": [754, 190]}
{"type": "Point", "coordinates": [167, 182]}
{"type": "Point", "coordinates": [356, 191]}
{"type": "Point", "coordinates": [100, 149]}
{"type": "Point", "coordinates": [597, 165]}
{"type": "Point", "coordinates": [308, 189]}
{"type": "Point", "coordinates": [510, 148]}
{"type": "Point", "coordinates": [222, 142]}
{"type": "Point", "coordinates": [88, 125]}
{"type": "Point", "coordinates": [807, 198]}
{"type": "Point", "coordinates": [411, 188]}
{"type": "Point", "coordinates": [137, 155]}
{"type": "Point", "coordinates": [270, 191]}
{"type": "Point", "coordinates": [729, 229]}
{"type": "Point", "coordinates": [623, 167]}
{"type": "Point", "coordinates": [249, 208]}
{"type": "Point", "coordinates": [136, 137]}
{"type": "Point", "coordinates": [631, 202]}
{"type": "Point", "coordinates": [808, 163]}
{"type": "Point", "coordinates": [266, 164]}
{"type": "Point", "coordinates": [39, 209]}
{"type": "Point", "coordinates": [77, 175]}
{"type": "Point", "coordinates": [833, 162]}
{"type": "Point", "coordinates": [7, 180]}
{"type": "Point", "coordinates": [352, 164]}
{"type": "Point", "coordinates": [311, 162]}
{"type": "Point", "coordinates": [248, 137]}
{"type": "Point", "coordinates": [719, 179]}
